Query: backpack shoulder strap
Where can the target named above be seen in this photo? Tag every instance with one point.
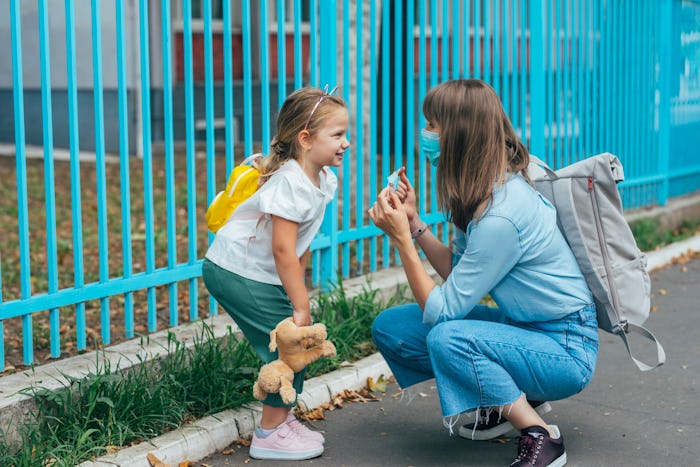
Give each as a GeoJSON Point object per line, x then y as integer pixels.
{"type": "Point", "coordinates": [644, 332]}
{"type": "Point", "coordinates": [543, 165]}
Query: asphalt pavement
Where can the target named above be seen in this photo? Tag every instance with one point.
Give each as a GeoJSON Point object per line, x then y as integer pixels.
{"type": "Point", "coordinates": [625, 417]}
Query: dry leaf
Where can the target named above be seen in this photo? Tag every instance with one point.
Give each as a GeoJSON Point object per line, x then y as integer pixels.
{"type": "Point", "coordinates": [316, 414]}
{"type": "Point", "coordinates": [379, 386]}
{"type": "Point", "coordinates": [654, 309]}
{"type": "Point", "coordinates": [153, 461]}
{"type": "Point", "coordinates": [111, 449]}
{"type": "Point", "coordinates": [185, 464]}
{"type": "Point", "coordinates": [243, 441]}
{"type": "Point", "coordinates": [662, 292]}
{"type": "Point", "coordinates": [227, 452]}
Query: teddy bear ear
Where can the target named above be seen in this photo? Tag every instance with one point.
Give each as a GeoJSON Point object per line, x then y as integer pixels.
{"type": "Point", "coordinates": [273, 340]}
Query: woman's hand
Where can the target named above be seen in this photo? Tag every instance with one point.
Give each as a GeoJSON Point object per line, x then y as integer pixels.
{"type": "Point", "coordinates": [389, 214]}
{"type": "Point", "coordinates": [407, 196]}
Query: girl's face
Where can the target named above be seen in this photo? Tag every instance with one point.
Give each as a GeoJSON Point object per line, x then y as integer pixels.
{"type": "Point", "coordinates": [327, 146]}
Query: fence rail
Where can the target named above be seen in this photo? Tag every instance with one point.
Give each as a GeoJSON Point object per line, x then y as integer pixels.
{"type": "Point", "coordinates": [577, 77]}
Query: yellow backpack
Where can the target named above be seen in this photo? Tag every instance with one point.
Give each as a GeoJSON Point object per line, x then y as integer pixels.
{"type": "Point", "coordinates": [242, 183]}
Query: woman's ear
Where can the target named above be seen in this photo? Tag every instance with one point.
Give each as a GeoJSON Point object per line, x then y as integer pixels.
{"type": "Point", "coordinates": [304, 138]}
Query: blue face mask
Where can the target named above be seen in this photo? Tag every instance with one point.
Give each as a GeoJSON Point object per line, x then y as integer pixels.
{"type": "Point", "coordinates": [430, 144]}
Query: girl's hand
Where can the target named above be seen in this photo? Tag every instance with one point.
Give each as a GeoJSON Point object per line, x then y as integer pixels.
{"type": "Point", "coordinates": [302, 317]}
{"type": "Point", "coordinates": [389, 214]}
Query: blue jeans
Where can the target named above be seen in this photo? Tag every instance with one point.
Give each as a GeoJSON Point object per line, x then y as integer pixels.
{"type": "Point", "coordinates": [486, 361]}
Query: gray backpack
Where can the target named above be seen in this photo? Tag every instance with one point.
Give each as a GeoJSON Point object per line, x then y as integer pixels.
{"type": "Point", "coordinates": [589, 214]}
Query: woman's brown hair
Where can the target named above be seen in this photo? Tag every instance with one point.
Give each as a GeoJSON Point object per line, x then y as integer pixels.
{"type": "Point", "coordinates": [304, 109]}
{"type": "Point", "coordinates": [478, 147]}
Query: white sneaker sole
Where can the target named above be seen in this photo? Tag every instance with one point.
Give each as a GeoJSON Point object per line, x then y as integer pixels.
{"type": "Point", "coordinates": [560, 461]}
{"type": "Point", "coordinates": [276, 454]}
{"type": "Point", "coordinates": [505, 429]}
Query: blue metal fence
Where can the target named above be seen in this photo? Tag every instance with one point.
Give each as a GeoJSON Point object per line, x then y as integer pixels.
{"type": "Point", "coordinates": [577, 77]}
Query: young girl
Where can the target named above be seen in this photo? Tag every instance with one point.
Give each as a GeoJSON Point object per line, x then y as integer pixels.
{"type": "Point", "coordinates": [541, 342]}
{"type": "Point", "coordinates": [255, 266]}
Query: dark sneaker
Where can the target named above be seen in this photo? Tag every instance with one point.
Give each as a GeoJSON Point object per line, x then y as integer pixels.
{"type": "Point", "coordinates": [537, 448]}
{"type": "Point", "coordinates": [490, 424]}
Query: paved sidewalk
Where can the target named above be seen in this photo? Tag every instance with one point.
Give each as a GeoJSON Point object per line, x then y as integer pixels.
{"type": "Point", "coordinates": [624, 418]}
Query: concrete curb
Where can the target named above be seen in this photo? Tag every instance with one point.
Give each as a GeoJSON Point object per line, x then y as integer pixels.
{"type": "Point", "coordinates": [664, 256]}
{"type": "Point", "coordinates": [214, 433]}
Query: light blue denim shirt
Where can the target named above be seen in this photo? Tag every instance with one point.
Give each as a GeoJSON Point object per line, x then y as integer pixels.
{"type": "Point", "coordinates": [516, 253]}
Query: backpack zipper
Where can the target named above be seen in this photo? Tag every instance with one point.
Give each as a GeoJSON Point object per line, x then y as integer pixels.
{"type": "Point", "coordinates": [606, 260]}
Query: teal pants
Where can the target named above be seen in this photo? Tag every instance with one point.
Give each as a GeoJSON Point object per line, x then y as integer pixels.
{"type": "Point", "coordinates": [256, 308]}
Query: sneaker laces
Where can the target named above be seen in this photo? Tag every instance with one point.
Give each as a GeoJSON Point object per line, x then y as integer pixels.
{"type": "Point", "coordinates": [526, 447]}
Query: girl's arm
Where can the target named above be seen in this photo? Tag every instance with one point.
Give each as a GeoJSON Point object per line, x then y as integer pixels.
{"type": "Point", "coordinates": [290, 267]}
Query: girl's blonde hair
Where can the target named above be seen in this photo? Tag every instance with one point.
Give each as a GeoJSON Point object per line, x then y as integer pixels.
{"type": "Point", "coordinates": [304, 109]}
{"type": "Point", "coordinates": [478, 147]}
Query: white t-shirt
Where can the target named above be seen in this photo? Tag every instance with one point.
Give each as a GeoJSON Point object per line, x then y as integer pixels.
{"type": "Point", "coordinates": [244, 244]}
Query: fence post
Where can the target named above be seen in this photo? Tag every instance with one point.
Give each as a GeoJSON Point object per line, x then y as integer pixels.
{"type": "Point", "coordinates": [665, 54]}
{"type": "Point", "coordinates": [328, 75]}
{"type": "Point", "coordinates": [537, 78]}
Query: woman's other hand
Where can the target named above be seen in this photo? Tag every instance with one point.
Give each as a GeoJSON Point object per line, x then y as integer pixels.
{"type": "Point", "coordinates": [389, 214]}
{"type": "Point", "coordinates": [407, 196]}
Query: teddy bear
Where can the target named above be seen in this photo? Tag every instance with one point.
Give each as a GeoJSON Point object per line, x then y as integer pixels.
{"type": "Point", "coordinates": [298, 346]}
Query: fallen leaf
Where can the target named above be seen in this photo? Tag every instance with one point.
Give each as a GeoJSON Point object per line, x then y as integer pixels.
{"type": "Point", "coordinates": [153, 461]}
{"type": "Point", "coordinates": [378, 386]}
{"type": "Point", "coordinates": [185, 464]}
{"type": "Point", "coordinates": [111, 449]}
{"type": "Point", "coordinates": [243, 441]}
{"type": "Point", "coordinates": [227, 452]}
{"type": "Point", "coordinates": [316, 414]}
{"type": "Point", "coordinates": [654, 309]}
{"type": "Point", "coordinates": [662, 292]}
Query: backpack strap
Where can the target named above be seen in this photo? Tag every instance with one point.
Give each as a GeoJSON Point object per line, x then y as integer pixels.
{"type": "Point", "coordinates": [252, 160]}
{"type": "Point", "coordinates": [543, 165]}
{"type": "Point", "coordinates": [644, 332]}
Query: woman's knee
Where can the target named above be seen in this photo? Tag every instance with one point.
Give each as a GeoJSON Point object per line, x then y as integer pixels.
{"type": "Point", "coordinates": [399, 326]}
{"type": "Point", "coordinates": [442, 337]}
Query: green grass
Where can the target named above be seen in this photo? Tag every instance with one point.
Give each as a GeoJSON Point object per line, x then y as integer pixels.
{"type": "Point", "coordinates": [651, 236]}
{"type": "Point", "coordinates": [112, 408]}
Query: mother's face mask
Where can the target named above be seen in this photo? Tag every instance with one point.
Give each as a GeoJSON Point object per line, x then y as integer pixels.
{"type": "Point", "coordinates": [430, 144]}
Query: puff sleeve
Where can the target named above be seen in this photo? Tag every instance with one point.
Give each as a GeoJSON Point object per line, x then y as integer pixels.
{"type": "Point", "coordinates": [286, 197]}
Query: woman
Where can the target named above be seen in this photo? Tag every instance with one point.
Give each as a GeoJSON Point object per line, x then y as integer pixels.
{"type": "Point", "coordinates": [541, 341]}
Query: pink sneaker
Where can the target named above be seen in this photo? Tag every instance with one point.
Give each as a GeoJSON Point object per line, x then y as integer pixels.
{"type": "Point", "coordinates": [284, 444]}
{"type": "Point", "coordinates": [302, 430]}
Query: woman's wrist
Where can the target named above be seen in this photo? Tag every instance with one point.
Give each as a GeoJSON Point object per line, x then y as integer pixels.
{"type": "Point", "coordinates": [414, 222]}
{"type": "Point", "coordinates": [418, 228]}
